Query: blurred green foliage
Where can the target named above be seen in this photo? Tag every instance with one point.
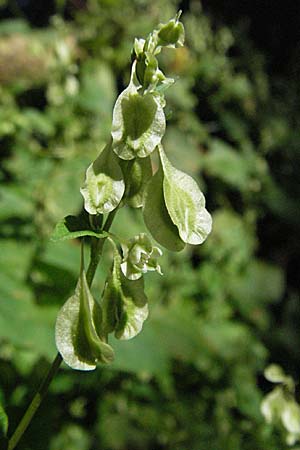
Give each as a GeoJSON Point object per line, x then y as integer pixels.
{"type": "Point", "coordinates": [190, 380]}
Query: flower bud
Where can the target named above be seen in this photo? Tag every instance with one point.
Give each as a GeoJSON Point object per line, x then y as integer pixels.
{"type": "Point", "coordinates": [140, 257]}
{"type": "Point", "coordinates": [171, 34]}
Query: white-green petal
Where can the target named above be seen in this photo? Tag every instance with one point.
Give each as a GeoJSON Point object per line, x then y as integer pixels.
{"type": "Point", "coordinates": [104, 185]}
{"type": "Point", "coordinates": [185, 203]}
{"type": "Point", "coordinates": [138, 123]}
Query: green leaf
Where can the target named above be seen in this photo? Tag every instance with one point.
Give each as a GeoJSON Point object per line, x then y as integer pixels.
{"type": "Point", "coordinates": [104, 185]}
{"type": "Point", "coordinates": [3, 421]}
{"type": "Point", "coordinates": [136, 181]}
{"type": "Point", "coordinates": [138, 122]}
{"type": "Point", "coordinates": [75, 332]}
{"type": "Point", "coordinates": [185, 203]}
{"type": "Point", "coordinates": [71, 228]}
{"type": "Point", "coordinates": [156, 215]}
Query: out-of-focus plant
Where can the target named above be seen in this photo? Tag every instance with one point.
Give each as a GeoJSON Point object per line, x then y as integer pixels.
{"type": "Point", "coordinates": [280, 407]}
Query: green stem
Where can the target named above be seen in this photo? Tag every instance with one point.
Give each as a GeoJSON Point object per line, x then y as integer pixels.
{"type": "Point", "coordinates": [36, 401]}
{"type": "Point", "coordinates": [96, 251]}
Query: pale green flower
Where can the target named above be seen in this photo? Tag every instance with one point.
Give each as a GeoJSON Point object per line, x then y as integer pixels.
{"type": "Point", "coordinates": [139, 257]}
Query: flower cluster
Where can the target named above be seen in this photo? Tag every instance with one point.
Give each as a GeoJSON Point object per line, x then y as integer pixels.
{"type": "Point", "coordinates": [172, 204]}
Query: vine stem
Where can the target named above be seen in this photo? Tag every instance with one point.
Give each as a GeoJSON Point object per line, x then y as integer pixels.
{"type": "Point", "coordinates": [96, 250]}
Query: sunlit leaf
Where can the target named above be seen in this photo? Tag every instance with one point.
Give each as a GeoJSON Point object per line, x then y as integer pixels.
{"type": "Point", "coordinates": [104, 185]}
{"type": "Point", "coordinates": [185, 203]}
{"type": "Point", "coordinates": [156, 215]}
{"type": "Point", "coordinates": [75, 332]}
{"type": "Point", "coordinates": [138, 122]}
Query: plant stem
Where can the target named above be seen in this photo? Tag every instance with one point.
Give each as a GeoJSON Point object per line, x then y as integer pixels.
{"type": "Point", "coordinates": [36, 401]}
{"type": "Point", "coordinates": [96, 251]}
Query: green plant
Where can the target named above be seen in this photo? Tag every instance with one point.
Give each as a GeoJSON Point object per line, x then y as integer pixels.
{"type": "Point", "coordinates": [173, 211]}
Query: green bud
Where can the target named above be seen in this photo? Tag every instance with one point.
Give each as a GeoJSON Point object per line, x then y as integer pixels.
{"type": "Point", "coordinates": [139, 46]}
{"type": "Point", "coordinates": [151, 71]}
{"type": "Point", "coordinates": [171, 34]}
{"type": "Point", "coordinates": [139, 257]}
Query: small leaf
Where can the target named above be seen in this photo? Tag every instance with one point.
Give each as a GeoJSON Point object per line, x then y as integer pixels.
{"type": "Point", "coordinates": [138, 122]}
{"type": "Point", "coordinates": [71, 228]}
{"type": "Point", "coordinates": [185, 203]}
{"type": "Point", "coordinates": [104, 185]}
{"type": "Point", "coordinates": [275, 374]}
{"type": "Point", "coordinates": [136, 181]}
{"type": "Point", "coordinates": [156, 215]}
{"type": "Point", "coordinates": [75, 332]}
